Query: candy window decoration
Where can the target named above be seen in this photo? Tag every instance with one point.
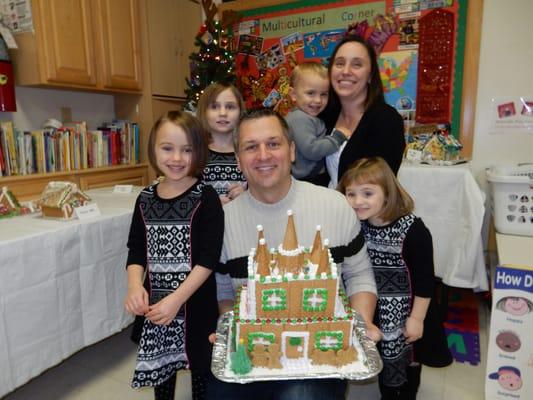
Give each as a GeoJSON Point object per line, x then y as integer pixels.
{"type": "Point", "coordinates": [274, 299]}
{"type": "Point", "coordinates": [261, 338]}
{"type": "Point", "coordinates": [326, 340]}
{"type": "Point", "coordinates": [315, 299]}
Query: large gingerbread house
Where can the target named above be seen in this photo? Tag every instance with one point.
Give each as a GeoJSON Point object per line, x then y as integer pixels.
{"type": "Point", "coordinates": [292, 313]}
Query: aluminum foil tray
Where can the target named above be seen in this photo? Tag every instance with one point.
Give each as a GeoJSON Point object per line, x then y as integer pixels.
{"type": "Point", "coordinates": [369, 366]}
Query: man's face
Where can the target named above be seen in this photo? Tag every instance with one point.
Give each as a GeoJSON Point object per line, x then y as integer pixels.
{"type": "Point", "coordinates": [265, 156]}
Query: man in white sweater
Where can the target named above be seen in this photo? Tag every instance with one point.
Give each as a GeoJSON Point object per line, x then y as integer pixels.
{"type": "Point", "coordinates": [265, 153]}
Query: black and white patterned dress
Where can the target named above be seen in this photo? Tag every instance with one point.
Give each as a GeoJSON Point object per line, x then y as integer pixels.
{"type": "Point", "coordinates": [222, 171]}
{"type": "Point", "coordinates": [395, 295]}
{"type": "Point", "coordinates": [169, 237]}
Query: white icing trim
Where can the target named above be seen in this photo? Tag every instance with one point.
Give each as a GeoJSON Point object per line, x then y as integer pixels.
{"type": "Point", "coordinates": [290, 253]}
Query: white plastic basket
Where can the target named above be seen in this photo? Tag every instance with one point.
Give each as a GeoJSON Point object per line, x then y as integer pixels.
{"type": "Point", "coordinates": [512, 198]}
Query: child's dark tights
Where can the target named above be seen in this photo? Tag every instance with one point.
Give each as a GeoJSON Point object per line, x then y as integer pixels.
{"type": "Point", "coordinates": [407, 391]}
{"type": "Point", "coordinates": [166, 390]}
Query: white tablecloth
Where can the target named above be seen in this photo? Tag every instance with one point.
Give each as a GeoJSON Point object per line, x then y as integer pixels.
{"type": "Point", "coordinates": [451, 204]}
{"type": "Point", "coordinates": [62, 286]}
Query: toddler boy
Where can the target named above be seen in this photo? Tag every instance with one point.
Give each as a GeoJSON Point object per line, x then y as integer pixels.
{"type": "Point", "coordinates": [309, 93]}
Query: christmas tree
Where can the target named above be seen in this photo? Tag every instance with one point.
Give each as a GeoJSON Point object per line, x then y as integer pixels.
{"type": "Point", "coordinates": [214, 61]}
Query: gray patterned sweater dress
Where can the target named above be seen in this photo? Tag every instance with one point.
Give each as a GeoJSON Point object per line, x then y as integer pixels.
{"type": "Point", "coordinates": [169, 237]}
{"type": "Point", "coordinates": [402, 258]}
{"type": "Point", "coordinates": [222, 171]}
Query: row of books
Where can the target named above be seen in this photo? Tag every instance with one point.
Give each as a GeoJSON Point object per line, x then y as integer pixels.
{"type": "Point", "coordinates": [68, 148]}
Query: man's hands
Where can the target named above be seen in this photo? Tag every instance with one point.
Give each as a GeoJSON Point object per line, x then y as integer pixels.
{"type": "Point", "coordinates": [373, 332]}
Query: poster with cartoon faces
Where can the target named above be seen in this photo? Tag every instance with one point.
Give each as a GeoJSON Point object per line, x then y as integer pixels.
{"type": "Point", "coordinates": [510, 353]}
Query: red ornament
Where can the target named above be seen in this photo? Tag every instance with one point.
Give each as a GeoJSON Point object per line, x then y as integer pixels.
{"type": "Point", "coordinates": [203, 29]}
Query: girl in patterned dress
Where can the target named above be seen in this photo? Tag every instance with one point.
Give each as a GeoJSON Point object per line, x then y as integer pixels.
{"type": "Point", "coordinates": [219, 109]}
{"type": "Point", "coordinates": [175, 237]}
{"type": "Point", "coordinates": [401, 250]}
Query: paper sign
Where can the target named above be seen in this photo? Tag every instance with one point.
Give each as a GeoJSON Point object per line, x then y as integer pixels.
{"type": "Point", "coordinates": [123, 189]}
{"type": "Point", "coordinates": [414, 155]}
{"type": "Point", "coordinates": [8, 37]}
{"type": "Point", "coordinates": [87, 212]}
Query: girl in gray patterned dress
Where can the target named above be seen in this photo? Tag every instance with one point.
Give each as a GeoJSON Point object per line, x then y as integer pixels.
{"type": "Point", "coordinates": [175, 237]}
{"type": "Point", "coordinates": [401, 250]}
{"type": "Point", "coordinates": [219, 109]}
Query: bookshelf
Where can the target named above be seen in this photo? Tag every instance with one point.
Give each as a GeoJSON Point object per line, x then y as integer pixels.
{"type": "Point", "coordinates": [28, 187]}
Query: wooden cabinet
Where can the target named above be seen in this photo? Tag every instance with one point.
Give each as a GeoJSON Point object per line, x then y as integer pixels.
{"type": "Point", "coordinates": [109, 45]}
{"type": "Point", "coordinates": [172, 27]}
{"type": "Point", "coordinates": [88, 44]}
{"type": "Point", "coordinates": [119, 44]}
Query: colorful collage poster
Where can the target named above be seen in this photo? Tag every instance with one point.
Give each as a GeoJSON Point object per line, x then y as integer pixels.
{"type": "Point", "coordinates": [270, 42]}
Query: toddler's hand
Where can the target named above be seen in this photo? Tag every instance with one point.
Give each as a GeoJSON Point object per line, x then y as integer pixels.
{"type": "Point", "coordinates": [345, 131]}
{"type": "Point", "coordinates": [414, 328]}
{"type": "Point", "coordinates": [136, 301]}
{"type": "Point", "coordinates": [165, 310]}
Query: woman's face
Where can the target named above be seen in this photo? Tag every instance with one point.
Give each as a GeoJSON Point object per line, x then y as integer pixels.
{"type": "Point", "coordinates": [350, 72]}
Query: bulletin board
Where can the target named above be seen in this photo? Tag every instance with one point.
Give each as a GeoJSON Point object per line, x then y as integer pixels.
{"type": "Point", "coordinates": [421, 47]}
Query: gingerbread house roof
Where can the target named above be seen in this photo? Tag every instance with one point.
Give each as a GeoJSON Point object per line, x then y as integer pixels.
{"type": "Point", "coordinates": [57, 194]}
{"type": "Point", "coordinates": [8, 199]}
{"type": "Point", "coordinates": [323, 264]}
{"type": "Point", "coordinates": [316, 251]}
{"type": "Point", "coordinates": [263, 258]}
{"type": "Point", "coordinates": [260, 235]}
{"type": "Point", "coordinates": [290, 242]}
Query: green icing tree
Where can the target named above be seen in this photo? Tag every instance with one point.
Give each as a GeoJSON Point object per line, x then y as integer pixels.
{"type": "Point", "coordinates": [240, 362]}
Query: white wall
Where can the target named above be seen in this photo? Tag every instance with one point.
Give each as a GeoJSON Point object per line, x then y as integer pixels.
{"type": "Point", "coordinates": [34, 106]}
{"type": "Point", "coordinates": [505, 69]}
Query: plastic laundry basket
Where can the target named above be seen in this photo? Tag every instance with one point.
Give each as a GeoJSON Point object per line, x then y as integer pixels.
{"type": "Point", "coordinates": [512, 198]}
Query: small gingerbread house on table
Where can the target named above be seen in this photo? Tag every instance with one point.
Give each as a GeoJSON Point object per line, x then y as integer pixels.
{"type": "Point", "coordinates": [292, 313]}
{"type": "Point", "coordinates": [9, 204]}
{"type": "Point", "coordinates": [59, 199]}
